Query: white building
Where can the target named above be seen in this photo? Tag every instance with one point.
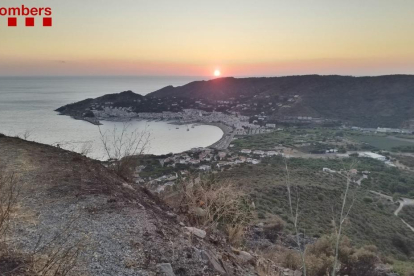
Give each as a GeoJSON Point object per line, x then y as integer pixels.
{"type": "Point", "coordinates": [373, 156]}
{"type": "Point", "coordinates": [240, 131]}
{"type": "Point", "coordinates": [328, 170]}
{"type": "Point", "coordinates": [205, 167]}
{"type": "Point", "coordinates": [247, 151]}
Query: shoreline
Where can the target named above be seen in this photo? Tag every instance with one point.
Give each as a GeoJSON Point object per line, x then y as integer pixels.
{"type": "Point", "coordinates": [225, 140]}
{"type": "Point", "coordinates": [221, 144]}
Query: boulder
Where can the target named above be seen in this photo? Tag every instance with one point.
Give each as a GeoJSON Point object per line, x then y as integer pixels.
{"type": "Point", "coordinates": [197, 232]}
{"type": "Point", "coordinates": [213, 262]}
{"type": "Point", "coordinates": [165, 269]}
{"type": "Point", "coordinates": [245, 257]}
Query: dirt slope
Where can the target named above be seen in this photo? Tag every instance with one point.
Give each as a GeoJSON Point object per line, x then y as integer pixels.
{"type": "Point", "coordinates": [124, 230]}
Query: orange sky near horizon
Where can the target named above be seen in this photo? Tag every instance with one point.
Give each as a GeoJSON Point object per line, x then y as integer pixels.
{"type": "Point", "coordinates": [189, 38]}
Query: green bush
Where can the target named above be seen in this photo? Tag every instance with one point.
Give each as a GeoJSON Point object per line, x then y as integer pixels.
{"type": "Point", "coordinates": [352, 261]}
{"type": "Point", "coordinates": [368, 199]}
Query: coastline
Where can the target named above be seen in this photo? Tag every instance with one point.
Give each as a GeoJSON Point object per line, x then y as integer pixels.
{"type": "Point", "coordinates": [222, 144]}
{"type": "Point", "coordinates": [225, 140]}
{"type": "Point", "coordinates": [228, 134]}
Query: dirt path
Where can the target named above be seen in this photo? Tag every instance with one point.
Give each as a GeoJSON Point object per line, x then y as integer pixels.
{"type": "Point", "coordinates": [403, 202]}
{"type": "Point", "coordinates": [360, 180]}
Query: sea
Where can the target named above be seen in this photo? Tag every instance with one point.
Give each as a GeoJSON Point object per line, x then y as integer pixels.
{"type": "Point", "coordinates": [27, 107]}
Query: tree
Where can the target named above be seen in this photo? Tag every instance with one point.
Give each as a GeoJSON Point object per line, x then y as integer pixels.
{"type": "Point", "coordinates": [294, 215]}
{"type": "Point", "coordinates": [122, 146]}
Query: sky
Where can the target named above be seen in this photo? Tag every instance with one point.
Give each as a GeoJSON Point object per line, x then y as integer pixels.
{"type": "Point", "coordinates": [195, 38]}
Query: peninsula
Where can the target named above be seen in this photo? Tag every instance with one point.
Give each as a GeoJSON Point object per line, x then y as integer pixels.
{"type": "Point", "coordinates": [249, 103]}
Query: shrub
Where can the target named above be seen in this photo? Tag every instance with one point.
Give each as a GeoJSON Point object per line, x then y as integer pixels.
{"type": "Point", "coordinates": [353, 261]}
{"type": "Point", "coordinates": [272, 230]}
{"type": "Point", "coordinates": [121, 148]}
{"type": "Point", "coordinates": [360, 262]}
{"type": "Point", "coordinates": [368, 199]}
{"type": "Point", "coordinates": [8, 198]}
{"type": "Point", "coordinates": [292, 260]}
{"type": "Point", "coordinates": [213, 204]}
{"type": "Point", "coordinates": [403, 244]}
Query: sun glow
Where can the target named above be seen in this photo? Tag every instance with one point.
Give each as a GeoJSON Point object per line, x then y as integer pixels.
{"type": "Point", "coordinates": [217, 73]}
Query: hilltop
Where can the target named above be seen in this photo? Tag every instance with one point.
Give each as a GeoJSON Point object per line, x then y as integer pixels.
{"type": "Point", "coordinates": [383, 101]}
{"type": "Point", "coordinates": [70, 207]}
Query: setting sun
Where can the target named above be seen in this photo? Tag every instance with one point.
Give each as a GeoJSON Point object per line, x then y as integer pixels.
{"type": "Point", "coordinates": [217, 73]}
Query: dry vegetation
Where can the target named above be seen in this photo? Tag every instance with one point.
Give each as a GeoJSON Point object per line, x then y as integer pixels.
{"type": "Point", "coordinates": [56, 257]}
{"type": "Point", "coordinates": [210, 204]}
{"type": "Point", "coordinates": [8, 198]}
{"type": "Point", "coordinates": [320, 258]}
{"type": "Point", "coordinates": [121, 146]}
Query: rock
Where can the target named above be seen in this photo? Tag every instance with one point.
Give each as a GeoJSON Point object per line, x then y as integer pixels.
{"type": "Point", "coordinates": [200, 212]}
{"type": "Point", "coordinates": [245, 256]}
{"type": "Point", "coordinates": [261, 224]}
{"type": "Point", "coordinates": [171, 214]}
{"type": "Point", "coordinates": [166, 269]}
{"type": "Point", "coordinates": [214, 262]}
{"type": "Point", "coordinates": [127, 186]}
{"type": "Point", "coordinates": [197, 232]}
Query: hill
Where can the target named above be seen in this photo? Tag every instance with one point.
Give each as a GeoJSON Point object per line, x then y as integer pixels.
{"type": "Point", "coordinates": [365, 101]}
{"type": "Point", "coordinates": [371, 220]}
{"type": "Point", "coordinates": [73, 211]}
{"type": "Point", "coordinates": [383, 101]}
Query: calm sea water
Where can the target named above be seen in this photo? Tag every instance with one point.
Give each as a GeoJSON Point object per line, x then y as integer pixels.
{"type": "Point", "coordinates": [27, 106]}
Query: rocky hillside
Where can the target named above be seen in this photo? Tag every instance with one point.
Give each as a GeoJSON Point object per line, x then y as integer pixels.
{"type": "Point", "coordinates": [72, 210]}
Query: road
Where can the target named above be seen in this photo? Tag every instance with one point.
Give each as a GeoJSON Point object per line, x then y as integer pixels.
{"type": "Point", "coordinates": [364, 176]}
{"type": "Point", "coordinates": [226, 139]}
{"type": "Point", "coordinates": [403, 202]}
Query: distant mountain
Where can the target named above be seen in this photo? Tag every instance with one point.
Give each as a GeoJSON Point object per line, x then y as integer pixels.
{"type": "Point", "coordinates": [383, 101]}
{"type": "Point", "coordinates": [386, 101]}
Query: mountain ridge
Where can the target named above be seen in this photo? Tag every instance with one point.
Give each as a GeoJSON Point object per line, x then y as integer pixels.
{"type": "Point", "coordinates": [381, 101]}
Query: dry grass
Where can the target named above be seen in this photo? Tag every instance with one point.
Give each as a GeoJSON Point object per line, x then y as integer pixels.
{"type": "Point", "coordinates": [212, 204]}
{"type": "Point", "coordinates": [9, 193]}
{"type": "Point", "coordinates": [58, 256]}
{"type": "Point", "coordinates": [121, 145]}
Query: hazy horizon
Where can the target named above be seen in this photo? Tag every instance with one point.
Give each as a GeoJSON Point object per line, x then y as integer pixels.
{"type": "Point", "coordinates": [184, 38]}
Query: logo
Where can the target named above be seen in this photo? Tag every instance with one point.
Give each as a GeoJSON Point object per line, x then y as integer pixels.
{"type": "Point", "coordinates": [27, 16]}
